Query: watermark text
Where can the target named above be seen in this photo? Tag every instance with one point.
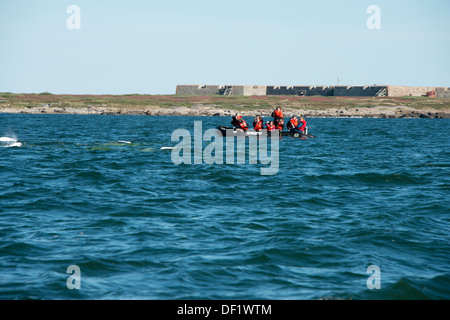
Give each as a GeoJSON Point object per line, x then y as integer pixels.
{"type": "Point", "coordinates": [257, 150]}
{"type": "Point", "coordinates": [74, 20]}
{"type": "Point", "coordinates": [74, 280]}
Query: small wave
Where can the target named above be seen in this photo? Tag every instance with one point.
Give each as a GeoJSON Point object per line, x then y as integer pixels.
{"type": "Point", "coordinates": [20, 248]}
{"type": "Point", "coordinates": [369, 178]}
{"type": "Point", "coordinates": [394, 178]}
{"type": "Point", "coordinates": [256, 226]}
{"type": "Point", "coordinates": [407, 288]}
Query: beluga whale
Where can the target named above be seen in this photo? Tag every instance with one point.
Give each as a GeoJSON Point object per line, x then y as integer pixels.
{"type": "Point", "coordinates": [9, 142]}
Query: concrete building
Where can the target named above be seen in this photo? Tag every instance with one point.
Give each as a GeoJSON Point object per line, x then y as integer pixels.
{"type": "Point", "coordinates": [336, 91]}
{"type": "Point", "coordinates": [443, 93]}
{"type": "Point", "coordinates": [402, 91]}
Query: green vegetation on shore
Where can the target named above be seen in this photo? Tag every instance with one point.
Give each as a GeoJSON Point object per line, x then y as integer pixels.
{"type": "Point", "coordinates": [138, 102]}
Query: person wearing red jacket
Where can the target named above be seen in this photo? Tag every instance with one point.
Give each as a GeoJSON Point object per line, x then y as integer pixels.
{"type": "Point", "coordinates": [301, 125]}
{"type": "Point", "coordinates": [277, 113]}
{"type": "Point", "coordinates": [279, 124]}
{"type": "Point", "coordinates": [258, 123]}
{"type": "Point", "coordinates": [235, 120]}
{"type": "Point", "coordinates": [292, 124]}
{"type": "Point", "coordinates": [239, 122]}
{"type": "Point", "coordinates": [243, 124]}
{"type": "Point", "coordinates": [270, 126]}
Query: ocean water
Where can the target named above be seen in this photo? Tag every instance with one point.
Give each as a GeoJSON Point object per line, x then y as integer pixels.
{"type": "Point", "coordinates": [364, 192]}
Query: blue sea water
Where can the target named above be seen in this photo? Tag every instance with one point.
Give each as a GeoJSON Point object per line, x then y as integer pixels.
{"type": "Point", "coordinates": [363, 192]}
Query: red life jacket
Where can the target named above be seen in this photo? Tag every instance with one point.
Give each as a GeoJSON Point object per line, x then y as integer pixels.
{"type": "Point", "coordinates": [278, 114]}
{"type": "Point", "coordinates": [243, 125]}
{"type": "Point", "coordinates": [270, 127]}
{"type": "Point", "coordinates": [280, 126]}
{"type": "Point", "coordinates": [235, 121]}
{"type": "Point", "coordinates": [294, 122]}
{"type": "Point", "coordinates": [258, 125]}
{"type": "Point", "coordinates": [303, 123]}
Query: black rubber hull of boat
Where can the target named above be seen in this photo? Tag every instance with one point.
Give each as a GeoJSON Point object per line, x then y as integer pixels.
{"type": "Point", "coordinates": [248, 133]}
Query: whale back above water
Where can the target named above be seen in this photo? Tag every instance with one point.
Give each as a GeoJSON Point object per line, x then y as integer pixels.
{"type": "Point", "coordinates": [9, 142]}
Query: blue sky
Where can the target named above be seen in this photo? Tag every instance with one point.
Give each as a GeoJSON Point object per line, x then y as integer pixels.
{"type": "Point", "coordinates": [148, 47]}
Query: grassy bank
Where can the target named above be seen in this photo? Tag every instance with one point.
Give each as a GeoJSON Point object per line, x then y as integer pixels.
{"type": "Point", "coordinates": [138, 102]}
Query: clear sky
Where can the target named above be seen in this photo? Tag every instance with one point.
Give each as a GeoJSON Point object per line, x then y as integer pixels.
{"type": "Point", "coordinates": [148, 47]}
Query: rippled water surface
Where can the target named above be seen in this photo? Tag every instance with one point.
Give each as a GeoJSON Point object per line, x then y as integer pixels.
{"type": "Point", "coordinates": [363, 192]}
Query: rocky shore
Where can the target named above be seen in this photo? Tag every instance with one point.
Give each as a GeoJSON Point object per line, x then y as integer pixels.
{"type": "Point", "coordinates": [215, 110]}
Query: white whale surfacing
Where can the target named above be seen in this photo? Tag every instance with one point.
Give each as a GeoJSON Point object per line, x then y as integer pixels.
{"type": "Point", "coordinates": [9, 142]}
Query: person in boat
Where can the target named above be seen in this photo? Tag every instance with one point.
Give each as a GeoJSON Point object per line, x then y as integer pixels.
{"type": "Point", "coordinates": [239, 123]}
{"type": "Point", "coordinates": [258, 123]}
{"type": "Point", "coordinates": [243, 124]}
{"type": "Point", "coordinates": [277, 114]}
{"type": "Point", "coordinates": [235, 120]}
{"type": "Point", "coordinates": [279, 124]}
{"type": "Point", "coordinates": [292, 123]}
{"type": "Point", "coordinates": [301, 127]}
{"type": "Point", "coordinates": [270, 126]}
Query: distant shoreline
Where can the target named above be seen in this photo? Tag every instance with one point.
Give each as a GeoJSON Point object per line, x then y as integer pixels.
{"type": "Point", "coordinates": [376, 112]}
{"type": "Point", "coordinates": [175, 105]}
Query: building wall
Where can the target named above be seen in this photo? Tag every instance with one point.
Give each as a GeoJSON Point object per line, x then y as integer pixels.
{"type": "Point", "coordinates": [198, 90]}
{"type": "Point", "coordinates": [206, 90]}
{"type": "Point", "coordinates": [358, 91]}
{"type": "Point", "coordinates": [282, 90]}
{"type": "Point", "coordinates": [402, 91]}
{"type": "Point", "coordinates": [443, 93]}
{"type": "Point", "coordinates": [237, 90]}
{"type": "Point", "coordinates": [300, 90]}
{"type": "Point", "coordinates": [320, 91]}
{"type": "Point", "coordinates": [338, 91]}
{"type": "Point", "coordinates": [254, 90]}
